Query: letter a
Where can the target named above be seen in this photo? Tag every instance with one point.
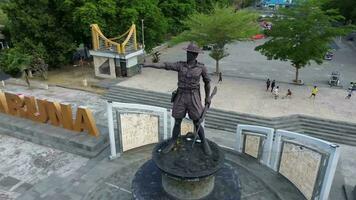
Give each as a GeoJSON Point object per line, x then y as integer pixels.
{"type": "Point", "coordinates": [3, 104]}
{"type": "Point", "coordinates": [85, 121]}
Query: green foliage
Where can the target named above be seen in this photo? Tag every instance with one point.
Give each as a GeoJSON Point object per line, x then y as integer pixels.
{"type": "Point", "coordinates": [102, 12]}
{"type": "Point", "coordinates": [176, 11]}
{"type": "Point", "coordinates": [154, 20]}
{"type": "Point", "coordinates": [239, 4]}
{"type": "Point", "coordinates": [3, 17]}
{"type": "Point", "coordinates": [43, 23]}
{"type": "Point", "coordinates": [14, 61]}
{"type": "Point", "coordinates": [221, 26]}
{"type": "Point", "coordinates": [58, 27]}
{"type": "Point", "coordinates": [346, 7]}
{"type": "Point", "coordinates": [206, 6]}
{"type": "Point", "coordinates": [302, 34]}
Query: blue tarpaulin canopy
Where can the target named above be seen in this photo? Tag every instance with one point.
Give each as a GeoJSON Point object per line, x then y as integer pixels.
{"type": "Point", "coordinates": [277, 2]}
{"type": "Point", "coordinates": [4, 76]}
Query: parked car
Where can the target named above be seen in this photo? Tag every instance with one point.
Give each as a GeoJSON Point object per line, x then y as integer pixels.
{"type": "Point", "coordinates": [207, 47]}
{"type": "Point", "coordinates": [329, 55]}
{"type": "Point", "coordinates": [258, 37]}
{"type": "Point", "coordinates": [334, 79]}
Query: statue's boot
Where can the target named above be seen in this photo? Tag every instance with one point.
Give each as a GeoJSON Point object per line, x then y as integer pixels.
{"type": "Point", "coordinates": [175, 134]}
{"type": "Point", "coordinates": [206, 148]}
{"type": "Point", "coordinates": [169, 146]}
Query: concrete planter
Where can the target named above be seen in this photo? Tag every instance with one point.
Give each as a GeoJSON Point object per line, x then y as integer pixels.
{"type": "Point", "coordinates": [300, 82]}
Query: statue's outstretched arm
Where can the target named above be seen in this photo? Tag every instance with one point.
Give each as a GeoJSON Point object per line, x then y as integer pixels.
{"type": "Point", "coordinates": [166, 66]}
{"type": "Point", "coordinates": [155, 65]}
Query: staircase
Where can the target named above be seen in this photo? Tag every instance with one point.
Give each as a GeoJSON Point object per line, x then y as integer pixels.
{"type": "Point", "coordinates": [330, 130]}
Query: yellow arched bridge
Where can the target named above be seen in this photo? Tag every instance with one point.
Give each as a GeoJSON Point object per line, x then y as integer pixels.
{"type": "Point", "coordinates": [118, 56]}
{"type": "Point", "coordinates": [123, 44]}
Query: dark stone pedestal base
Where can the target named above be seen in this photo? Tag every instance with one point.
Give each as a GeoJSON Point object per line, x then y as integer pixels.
{"type": "Point", "coordinates": [147, 184]}
{"type": "Point", "coordinates": [188, 188]}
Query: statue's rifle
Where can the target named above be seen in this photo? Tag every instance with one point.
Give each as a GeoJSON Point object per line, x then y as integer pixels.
{"type": "Point", "coordinates": [202, 117]}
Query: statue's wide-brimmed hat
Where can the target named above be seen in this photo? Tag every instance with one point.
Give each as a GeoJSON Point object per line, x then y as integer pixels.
{"type": "Point", "coordinates": [193, 48]}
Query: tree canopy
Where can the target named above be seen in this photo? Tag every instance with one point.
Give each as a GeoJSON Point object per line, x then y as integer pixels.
{"type": "Point", "coordinates": [219, 27]}
{"type": "Point", "coordinates": [302, 34]}
{"type": "Point", "coordinates": [176, 11]}
{"type": "Point", "coordinates": [54, 29]}
{"type": "Point", "coordinates": [346, 7]}
{"type": "Point", "coordinates": [41, 23]}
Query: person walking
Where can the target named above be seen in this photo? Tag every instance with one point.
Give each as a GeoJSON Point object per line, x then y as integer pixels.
{"type": "Point", "coordinates": [289, 94]}
{"type": "Point", "coordinates": [220, 77]}
{"type": "Point", "coordinates": [276, 92]}
{"type": "Point", "coordinates": [349, 94]}
{"type": "Point", "coordinates": [273, 84]}
{"type": "Point", "coordinates": [268, 83]}
{"type": "Point", "coordinates": [315, 91]}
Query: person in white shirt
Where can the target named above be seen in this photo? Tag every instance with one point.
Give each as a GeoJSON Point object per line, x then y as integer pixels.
{"type": "Point", "coordinates": [276, 92]}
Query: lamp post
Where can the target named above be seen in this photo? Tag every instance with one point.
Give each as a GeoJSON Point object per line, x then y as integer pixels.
{"type": "Point", "coordinates": [143, 33]}
{"type": "Point", "coordinates": [143, 39]}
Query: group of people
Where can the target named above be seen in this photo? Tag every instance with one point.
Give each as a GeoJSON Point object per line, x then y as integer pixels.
{"type": "Point", "coordinates": [271, 86]}
{"type": "Point", "coordinates": [275, 89]}
{"type": "Point", "coordinates": [351, 89]}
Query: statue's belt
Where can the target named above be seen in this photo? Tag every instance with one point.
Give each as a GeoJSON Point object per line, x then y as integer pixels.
{"type": "Point", "coordinates": [188, 89]}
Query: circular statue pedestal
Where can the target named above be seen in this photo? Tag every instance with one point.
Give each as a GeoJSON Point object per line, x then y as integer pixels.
{"type": "Point", "coordinates": [186, 173]}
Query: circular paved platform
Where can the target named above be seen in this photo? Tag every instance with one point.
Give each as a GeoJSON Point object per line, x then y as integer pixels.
{"type": "Point", "coordinates": [257, 181]}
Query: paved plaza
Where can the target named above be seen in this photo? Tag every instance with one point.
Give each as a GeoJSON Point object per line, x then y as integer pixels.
{"type": "Point", "coordinates": [36, 172]}
{"type": "Point", "coordinates": [244, 62]}
{"type": "Point", "coordinates": [249, 96]}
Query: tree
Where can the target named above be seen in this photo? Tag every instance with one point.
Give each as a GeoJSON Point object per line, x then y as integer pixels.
{"type": "Point", "coordinates": [14, 61]}
{"type": "Point", "coordinates": [176, 11]}
{"type": "Point", "coordinates": [239, 4]}
{"type": "Point", "coordinates": [115, 17]}
{"type": "Point", "coordinates": [102, 12]}
{"type": "Point", "coordinates": [301, 34]}
{"type": "Point", "coordinates": [155, 22]}
{"type": "Point", "coordinates": [46, 23]}
{"type": "Point", "coordinates": [219, 27]}
{"type": "Point", "coordinates": [205, 6]}
{"type": "Point", "coordinates": [346, 7]}
{"type": "Point", "coordinates": [3, 17]}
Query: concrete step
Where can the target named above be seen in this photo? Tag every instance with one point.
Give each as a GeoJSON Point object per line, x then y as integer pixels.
{"type": "Point", "coordinates": [237, 118]}
{"type": "Point", "coordinates": [138, 101]}
{"type": "Point", "coordinates": [329, 134]}
{"type": "Point", "coordinates": [331, 125]}
{"type": "Point", "coordinates": [140, 96]}
{"type": "Point", "coordinates": [45, 134]}
{"type": "Point", "coordinates": [330, 139]}
{"type": "Point", "coordinates": [335, 131]}
{"type": "Point", "coordinates": [331, 130]}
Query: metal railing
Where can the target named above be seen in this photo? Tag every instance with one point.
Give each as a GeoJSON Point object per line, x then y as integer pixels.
{"type": "Point", "coordinates": [102, 43]}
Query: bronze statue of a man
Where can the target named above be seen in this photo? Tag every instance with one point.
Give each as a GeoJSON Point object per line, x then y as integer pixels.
{"type": "Point", "coordinates": [188, 98]}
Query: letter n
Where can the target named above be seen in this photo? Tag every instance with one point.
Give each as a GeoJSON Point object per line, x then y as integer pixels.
{"type": "Point", "coordinates": [60, 114]}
